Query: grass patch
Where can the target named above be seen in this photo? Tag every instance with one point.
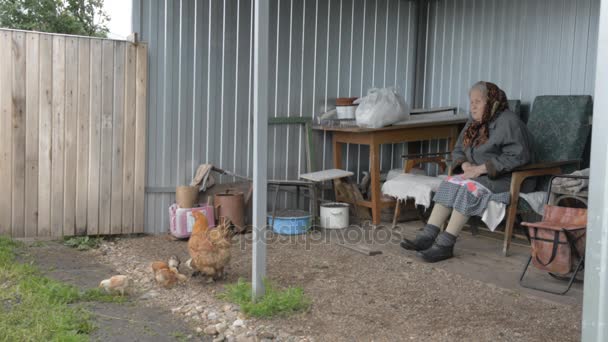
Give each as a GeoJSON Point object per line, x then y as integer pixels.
{"type": "Point", "coordinates": [36, 308]}
{"type": "Point", "coordinates": [179, 336]}
{"type": "Point", "coordinates": [276, 302]}
{"type": "Point", "coordinates": [83, 243]}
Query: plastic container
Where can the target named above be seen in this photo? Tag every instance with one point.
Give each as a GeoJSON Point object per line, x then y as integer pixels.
{"type": "Point", "coordinates": [334, 215]}
{"type": "Point", "coordinates": [290, 222]}
{"type": "Point", "coordinates": [181, 220]}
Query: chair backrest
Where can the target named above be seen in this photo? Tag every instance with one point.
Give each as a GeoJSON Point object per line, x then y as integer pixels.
{"type": "Point", "coordinates": [560, 126]}
{"type": "Point", "coordinates": [306, 124]}
{"type": "Point", "coordinates": [515, 107]}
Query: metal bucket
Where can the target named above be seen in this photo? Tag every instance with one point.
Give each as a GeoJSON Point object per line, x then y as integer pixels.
{"type": "Point", "coordinates": [334, 215]}
{"type": "Point", "coordinates": [232, 206]}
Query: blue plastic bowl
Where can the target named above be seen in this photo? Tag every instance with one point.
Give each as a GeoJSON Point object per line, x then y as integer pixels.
{"type": "Point", "coordinates": [292, 222]}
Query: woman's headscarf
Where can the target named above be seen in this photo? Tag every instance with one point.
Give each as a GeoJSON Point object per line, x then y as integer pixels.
{"type": "Point", "coordinates": [478, 132]}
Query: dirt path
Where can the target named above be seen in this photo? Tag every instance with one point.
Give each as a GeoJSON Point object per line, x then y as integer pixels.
{"type": "Point", "coordinates": [387, 297]}
{"type": "Point", "coordinates": [134, 320]}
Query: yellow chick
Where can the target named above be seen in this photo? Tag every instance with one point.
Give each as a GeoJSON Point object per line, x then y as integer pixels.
{"type": "Point", "coordinates": [117, 283]}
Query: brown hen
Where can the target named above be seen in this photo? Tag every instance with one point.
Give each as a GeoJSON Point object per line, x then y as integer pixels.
{"type": "Point", "coordinates": [209, 248]}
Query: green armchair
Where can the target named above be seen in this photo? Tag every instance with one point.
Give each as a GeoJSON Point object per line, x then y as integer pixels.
{"type": "Point", "coordinates": [560, 126]}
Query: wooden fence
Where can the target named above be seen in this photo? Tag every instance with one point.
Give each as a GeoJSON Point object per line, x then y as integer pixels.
{"type": "Point", "coordinates": [72, 135]}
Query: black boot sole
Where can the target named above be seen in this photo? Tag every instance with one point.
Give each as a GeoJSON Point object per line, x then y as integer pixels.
{"type": "Point", "coordinates": [411, 246]}
{"type": "Point", "coordinates": [435, 258]}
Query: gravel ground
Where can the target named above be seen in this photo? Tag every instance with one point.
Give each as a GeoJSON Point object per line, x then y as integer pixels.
{"type": "Point", "coordinates": [386, 297]}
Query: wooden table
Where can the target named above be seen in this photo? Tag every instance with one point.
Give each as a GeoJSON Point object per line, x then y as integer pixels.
{"type": "Point", "coordinates": [416, 129]}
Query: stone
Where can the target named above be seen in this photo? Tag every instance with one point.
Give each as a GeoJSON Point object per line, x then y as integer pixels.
{"type": "Point", "coordinates": [149, 295]}
{"type": "Point", "coordinates": [221, 327]}
{"type": "Point", "coordinates": [210, 330]}
{"type": "Point", "coordinates": [227, 308]}
{"type": "Point", "coordinates": [199, 308]}
{"type": "Point", "coordinates": [219, 338]}
{"type": "Point", "coordinates": [245, 338]}
{"type": "Point", "coordinates": [174, 310]}
{"type": "Point", "coordinates": [199, 330]}
{"type": "Point", "coordinates": [212, 316]}
{"type": "Point", "coordinates": [238, 323]}
{"type": "Point", "coordinates": [266, 334]}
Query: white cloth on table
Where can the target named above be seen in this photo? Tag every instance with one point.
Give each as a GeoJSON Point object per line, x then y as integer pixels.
{"type": "Point", "coordinates": [408, 186]}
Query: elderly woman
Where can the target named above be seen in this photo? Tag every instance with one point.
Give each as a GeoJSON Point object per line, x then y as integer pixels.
{"type": "Point", "coordinates": [493, 143]}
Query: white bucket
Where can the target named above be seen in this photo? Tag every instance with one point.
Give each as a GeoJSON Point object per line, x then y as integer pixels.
{"type": "Point", "coordinates": [346, 112]}
{"type": "Point", "coordinates": [334, 215]}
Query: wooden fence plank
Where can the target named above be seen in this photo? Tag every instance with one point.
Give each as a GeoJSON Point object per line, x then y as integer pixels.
{"type": "Point", "coordinates": [129, 141]}
{"type": "Point", "coordinates": [57, 139]}
{"type": "Point", "coordinates": [6, 114]}
{"type": "Point", "coordinates": [70, 136]}
{"type": "Point", "coordinates": [82, 157]}
{"type": "Point", "coordinates": [140, 137]}
{"type": "Point", "coordinates": [18, 154]}
{"type": "Point", "coordinates": [117, 135]}
{"type": "Point", "coordinates": [31, 132]}
{"type": "Point", "coordinates": [95, 139]}
{"type": "Point", "coordinates": [107, 92]}
{"type": "Point", "coordinates": [44, 138]}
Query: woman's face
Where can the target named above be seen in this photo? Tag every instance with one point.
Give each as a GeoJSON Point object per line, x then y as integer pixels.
{"type": "Point", "coordinates": [478, 104]}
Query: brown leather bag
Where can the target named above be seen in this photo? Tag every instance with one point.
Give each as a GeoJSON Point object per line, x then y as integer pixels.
{"type": "Point", "coordinates": [558, 242]}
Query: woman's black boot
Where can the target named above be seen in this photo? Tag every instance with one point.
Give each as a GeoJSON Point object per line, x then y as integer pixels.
{"type": "Point", "coordinates": [424, 239]}
{"type": "Point", "coordinates": [442, 249]}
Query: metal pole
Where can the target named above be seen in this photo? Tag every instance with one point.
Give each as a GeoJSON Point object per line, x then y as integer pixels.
{"type": "Point", "coordinates": [595, 301]}
{"type": "Point", "coordinates": [260, 136]}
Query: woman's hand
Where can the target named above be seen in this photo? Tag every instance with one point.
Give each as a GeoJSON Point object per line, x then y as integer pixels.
{"type": "Point", "coordinates": [466, 166]}
{"type": "Point", "coordinates": [474, 171]}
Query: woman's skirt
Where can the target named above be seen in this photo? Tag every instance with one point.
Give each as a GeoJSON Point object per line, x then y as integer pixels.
{"type": "Point", "coordinates": [466, 196]}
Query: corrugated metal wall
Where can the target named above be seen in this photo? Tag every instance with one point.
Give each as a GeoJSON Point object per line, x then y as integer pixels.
{"type": "Point", "coordinates": [200, 71]}
{"type": "Point", "coordinates": [200, 75]}
{"type": "Point", "coordinates": [527, 47]}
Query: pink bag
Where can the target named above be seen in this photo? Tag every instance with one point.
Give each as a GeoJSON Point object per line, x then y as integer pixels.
{"type": "Point", "coordinates": [181, 219]}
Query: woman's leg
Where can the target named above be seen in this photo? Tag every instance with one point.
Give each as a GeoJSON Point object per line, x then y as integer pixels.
{"type": "Point", "coordinates": [439, 215]}
{"type": "Point", "coordinates": [426, 237]}
{"type": "Point", "coordinates": [443, 248]}
{"type": "Point", "coordinates": [457, 222]}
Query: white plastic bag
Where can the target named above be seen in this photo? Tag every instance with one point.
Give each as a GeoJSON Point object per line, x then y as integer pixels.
{"type": "Point", "coordinates": [381, 107]}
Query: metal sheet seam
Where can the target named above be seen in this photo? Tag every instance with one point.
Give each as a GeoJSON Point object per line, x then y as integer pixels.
{"type": "Point", "coordinates": [236, 86]}
{"type": "Point", "coordinates": [302, 87]}
{"type": "Point", "coordinates": [221, 160]}
{"type": "Point", "coordinates": [249, 103]}
{"type": "Point", "coordinates": [207, 135]}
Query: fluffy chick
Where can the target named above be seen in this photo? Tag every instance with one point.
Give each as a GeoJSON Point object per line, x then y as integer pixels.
{"type": "Point", "coordinates": [174, 262]}
{"type": "Point", "coordinates": [117, 283]}
{"type": "Point", "coordinates": [166, 276]}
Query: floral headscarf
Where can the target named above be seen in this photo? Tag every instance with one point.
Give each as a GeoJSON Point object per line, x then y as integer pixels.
{"type": "Point", "coordinates": [478, 132]}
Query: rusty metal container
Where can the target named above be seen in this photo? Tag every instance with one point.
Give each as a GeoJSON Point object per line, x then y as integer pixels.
{"type": "Point", "coordinates": [232, 206]}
